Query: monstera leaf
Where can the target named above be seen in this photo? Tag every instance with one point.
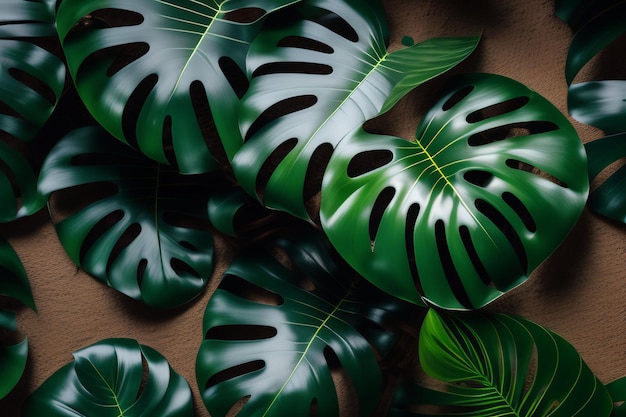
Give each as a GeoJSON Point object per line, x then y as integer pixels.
{"type": "Point", "coordinates": [151, 72]}
{"type": "Point", "coordinates": [493, 183]}
{"type": "Point", "coordinates": [314, 81]}
{"type": "Point", "coordinates": [275, 335]}
{"type": "Point", "coordinates": [109, 379]}
{"type": "Point", "coordinates": [500, 365]}
{"type": "Point", "coordinates": [601, 104]}
{"type": "Point", "coordinates": [146, 233]}
{"type": "Point", "coordinates": [13, 284]}
{"type": "Point", "coordinates": [31, 81]}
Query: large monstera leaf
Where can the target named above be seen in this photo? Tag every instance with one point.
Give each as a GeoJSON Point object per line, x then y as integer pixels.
{"type": "Point", "coordinates": [147, 234]}
{"type": "Point", "coordinates": [113, 378]}
{"type": "Point", "coordinates": [275, 334]}
{"type": "Point", "coordinates": [500, 365]}
{"type": "Point", "coordinates": [314, 81]}
{"type": "Point", "coordinates": [31, 81]}
{"type": "Point", "coordinates": [13, 284]}
{"type": "Point", "coordinates": [493, 183]}
{"type": "Point", "coordinates": [601, 103]}
{"type": "Point", "coordinates": [150, 70]}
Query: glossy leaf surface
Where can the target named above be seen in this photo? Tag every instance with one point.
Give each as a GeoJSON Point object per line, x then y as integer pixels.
{"type": "Point", "coordinates": [31, 81]}
{"type": "Point", "coordinates": [314, 81]}
{"type": "Point", "coordinates": [108, 379]}
{"type": "Point", "coordinates": [150, 70]}
{"type": "Point", "coordinates": [500, 365]}
{"type": "Point", "coordinates": [492, 185]}
{"type": "Point", "coordinates": [146, 233]}
{"type": "Point", "coordinates": [276, 334]}
{"type": "Point", "coordinates": [13, 284]}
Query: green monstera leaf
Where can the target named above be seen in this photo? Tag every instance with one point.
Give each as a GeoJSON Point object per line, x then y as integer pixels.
{"type": "Point", "coordinates": [314, 81]}
{"type": "Point", "coordinates": [146, 233]}
{"type": "Point", "coordinates": [601, 103]}
{"type": "Point", "coordinates": [499, 365]}
{"type": "Point", "coordinates": [113, 378]}
{"type": "Point", "coordinates": [31, 82]}
{"type": "Point", "coordinates": [13, 284]}
{"type": "Point", "coordinates": [491, 186]}
{"type": "Point", "coordinates": [617, 390]}
{"type": "Point", "coordinates": [151, 71]}
{"type": "Point", "coordinates": [275, 334]}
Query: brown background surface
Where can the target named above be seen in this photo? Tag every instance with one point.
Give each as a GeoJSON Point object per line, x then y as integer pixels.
{"type": "Point", "coordinates": [579, 292]}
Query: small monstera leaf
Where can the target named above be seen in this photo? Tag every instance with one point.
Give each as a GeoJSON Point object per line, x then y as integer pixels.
{"type": "Point", "coordinates": [500, 365]}
{"type": "Point", "coordinates": [275, 334]}
{"type": "Point", "coordinates": [146, 233]}
{"type": "Point", "coordinates": [151, 72]}
{"type": "Point", "coordinates": [493, 183]}
{"type": "Point", "coordinates": [13, 284]}
{"type": "Point", "coordinates": [31, 81]}
{"type": "Point", "coordinates": [602, 104]}
{"type": "Point", "coordinates": [314, 81]}
{"type": "Point", "coordinates": [113, 378]}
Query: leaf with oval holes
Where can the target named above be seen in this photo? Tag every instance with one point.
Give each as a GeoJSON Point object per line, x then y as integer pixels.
{"type": "Point", "coordinates": [492, 185]}
{"type": "Point", "coordinates": [315, 80]}
{"type": "Point", "coordinates": [13, 284]}
{"type": "Point", "coordinates": [113, 378]}
{"type": "Point", "coordinates": [31, 82]}
{"type": "Point", "coordinates": [499, 365]}
{"type": "Point", "coordinates": [145, 230]}
{"type": "Point", "coordinates": [279, 335]}
{"type": "Point", "coordinates": [154, 73]}
{"type": "Point", "coordinates": [601, 104]}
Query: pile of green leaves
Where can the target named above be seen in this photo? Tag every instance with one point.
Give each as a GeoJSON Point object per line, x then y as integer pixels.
{"type": "Point", "coordinates": [247, 118]}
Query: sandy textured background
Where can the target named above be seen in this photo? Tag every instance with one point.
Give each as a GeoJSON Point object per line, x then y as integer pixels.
{"type": "Point", "coordinates": [579, 292]}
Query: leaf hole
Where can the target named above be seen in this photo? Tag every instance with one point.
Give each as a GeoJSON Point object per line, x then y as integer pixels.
{"type": "Point", "coordinates": [248, 291]}
{"type": "Point", "coordinates": [113, 159]}
{"type": "Point", "coordinates": [245, 15]}
{"type": "Point", "coordinates": [271, 163]}
{"type": "Point", "coordinates": [167, 142]}
{"type": "Point", "coordinates": [280, 109]}
{"type": "Point", "coordinates": [498, 109]}
{"type": "Point", "coordinates": [521, 210]}
{"type": "Point", "coordinates": [64, 203]}
{"type": "Point", "coordinates": [183, 269]}
{"type": "Point", "coordinates": [450, 271]}
{"type": "Point", "coordinates": [380, 205]}
{"type": "Point", "coordinates": [145, 375]}
{"type": "Point", "coordinates": [125, 239]}
{"type": "Point", "coordinates": [314, 175]}
{"type": "Point", "coordinates": [510, 131]}
{"type": "Point", "coordinates": [34, 83]}
{"type": "Point", "coordinates": [313, 408]}
{"type": "Point", "coordinates": [470, 248]}
{"type": "Point", "coordinates": [133, 108]}
{"type": "Point", "coordinates": [141, 270]}
{"type": "Point", "coordinates": [606, 173]}
{"type": "Point", "coordinates": [478, 177]}
{"type": "Point", "coordinates": [293, 68]}
{"type": "Point", "coordinates": [125, 55]}
{"type": "Point", "coordinates": [117, 17]}
{"type": "Point", "coordinates": [301, 42]}
{"type": "Point", "coordinates": [409, 238]}
{"type": "Point", "coordinates": [457, 97]}
{"type": "Point", "coordinates": [106, 223]}
{"type": "Point", "coordinates": [186, 221]}
{"type": "Point", "coordinates": [338, 25]}
{"type": "Point", "coordinates": [202, 111]}
{"type": "Point", "coordinates": [235, 76]}
{"type": "Point", "coordinates": [523, 166]}
{"type": "Point", "coordinates": [368, 161]}
{"type": "Point", "coordinates": [234, 372]}
{"type": "Point", "coordinates": [190, 247]}
{"type": "Point", "coordinates": [346, 393]}
{"type": "Point", "coordinates": [241, 332]}
{"type": "Point", "coordinates": [507, 230]}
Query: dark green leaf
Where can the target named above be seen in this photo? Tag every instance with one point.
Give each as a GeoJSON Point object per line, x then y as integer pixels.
{"type": "Point", "coordinates": [492, 185]}
{"type": "Point", "coordinates": [599, 103]}
{"type": "Point", "coordinates": [500, 365]}
{"type": "Point", "coordinates": [314, 81]}
{"type": "Point", "coordinates": [146, 70]}
{"type": "Point", "coordinates": [31, 81]}
{"type": "Point", "coordinates": [147, 237]}
{"type": "Point", "coordinates": [617, 390]}
{"type": "Point", "coordinates": [108, 379]}
{"type": "Point", "coordinates": [274, 333]}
